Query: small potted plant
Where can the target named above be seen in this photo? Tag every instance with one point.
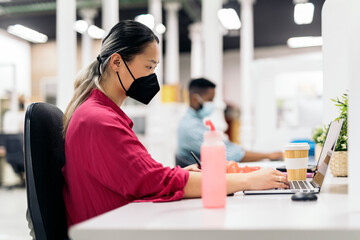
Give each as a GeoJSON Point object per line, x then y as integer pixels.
{"type": "Point", "coordinates": [319, 135]}
{"type": "Point", "coordinates": [339, 160]}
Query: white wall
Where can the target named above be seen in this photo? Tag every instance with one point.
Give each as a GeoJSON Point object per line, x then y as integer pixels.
{"type": "Point", "coordinates": [17, 52]}
{"type": "Point", "coordinates": [341, 34]}
{"type": "Point", "coordinates": [268, 135]}
{"type": "Point", "coordinates": [335, 51]}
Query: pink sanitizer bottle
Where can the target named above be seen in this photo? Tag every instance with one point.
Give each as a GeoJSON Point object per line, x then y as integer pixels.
{"type": "Point", "coordinates": [213, 169]}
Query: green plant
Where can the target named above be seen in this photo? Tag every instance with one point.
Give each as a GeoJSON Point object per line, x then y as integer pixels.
{"type": "Point", "coordinates": [319, 135]}
{"type": "Point", "coordinates": [342, 143]}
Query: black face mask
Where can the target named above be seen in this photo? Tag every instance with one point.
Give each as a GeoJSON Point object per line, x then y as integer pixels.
{"type": "Point", "coordinates": [142, 89]}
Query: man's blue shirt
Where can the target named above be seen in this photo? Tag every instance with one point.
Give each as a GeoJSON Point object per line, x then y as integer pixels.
{"type": "Point", "coordinates": [190, 137]}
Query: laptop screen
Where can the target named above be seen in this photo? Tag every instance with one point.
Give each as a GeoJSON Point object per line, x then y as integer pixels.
{"type": "Point", "coordinates": [328, 149]}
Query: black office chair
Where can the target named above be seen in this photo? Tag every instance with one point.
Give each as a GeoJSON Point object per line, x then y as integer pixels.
{"type": "Point", "coordinates": [44, 159]}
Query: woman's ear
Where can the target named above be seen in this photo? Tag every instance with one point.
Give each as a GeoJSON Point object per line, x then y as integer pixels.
{"type": "Point", "coordinates": [115, 62]}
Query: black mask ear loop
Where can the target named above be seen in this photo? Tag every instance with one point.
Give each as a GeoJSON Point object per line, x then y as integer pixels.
{"type": "Point", "coordinates": [129, 70]}
{"type": "Point", "coordinates": [121, 82]}
{"type": "Point", "coordinates": [119, 76]}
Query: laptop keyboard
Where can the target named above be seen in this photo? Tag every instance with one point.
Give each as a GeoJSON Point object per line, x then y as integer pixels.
{"type": "Point", "coordinates": [301, 185]}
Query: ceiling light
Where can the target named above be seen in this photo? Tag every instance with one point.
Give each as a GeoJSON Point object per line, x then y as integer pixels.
{"type": "Point", "coordinates": [298, 42]}
{"type": "Point", "coordinates": [96, 32]}
{"type": "Point", "coordinates": [27, 33]}
{"type": "Point", "coordinates": [229, 18]}
{"type": "Point", "coordinates": [80, 26]}
{"type": "Point", "coordinates": [303, 13]}
{"type": "Point", "coordinates": [146, 19]}
{"type": "Point", "coordinates": [160, 28]}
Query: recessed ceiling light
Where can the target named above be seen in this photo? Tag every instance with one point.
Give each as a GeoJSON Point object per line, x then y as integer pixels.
{"type": "Point", "coordinates": [146, 19]}
{"type": "Point", "coordinates": [229, 18]}
{"type": "Point", "coordinates": [160, 28]}
{"type": "Point", "coordinates": [303, 13]}
{"type": "Point", "coordinates": [81, 26]}
{"type": "Point", "coordinates": [96, 32]}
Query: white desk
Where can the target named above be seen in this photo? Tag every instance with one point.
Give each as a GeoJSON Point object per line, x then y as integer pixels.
{"type": "Point", "coordinates": [245, 217]}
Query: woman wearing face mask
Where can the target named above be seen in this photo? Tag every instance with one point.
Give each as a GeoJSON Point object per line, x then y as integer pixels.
{"type": "Point", "coordinates": [106, 165]}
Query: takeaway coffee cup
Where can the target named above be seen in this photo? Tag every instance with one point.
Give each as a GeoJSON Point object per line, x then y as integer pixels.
{"type": "Point", "coordinates": [296, 160]}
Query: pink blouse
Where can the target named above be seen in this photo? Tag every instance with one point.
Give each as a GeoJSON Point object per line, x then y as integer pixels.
{"type": "Point", "coordinates": [106, 165]}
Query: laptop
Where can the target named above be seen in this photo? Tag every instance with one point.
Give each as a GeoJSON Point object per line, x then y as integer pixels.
{"type": "Point", "coordinates": [313, 185]}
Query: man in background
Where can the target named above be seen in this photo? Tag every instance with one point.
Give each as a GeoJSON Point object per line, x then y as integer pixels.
{"type": "Point", "coordinates": [191, 128]}
{"type": "Point", "coordinates": [12, 138]}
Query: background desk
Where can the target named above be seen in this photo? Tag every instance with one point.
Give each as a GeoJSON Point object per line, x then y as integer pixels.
{"type": "Point", "coordinates": [245, 217]}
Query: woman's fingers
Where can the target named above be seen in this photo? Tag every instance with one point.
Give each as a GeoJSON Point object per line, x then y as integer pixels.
{"type": "Point", "coordinates": [281, 185]}
{"type": "Point", "coordinates": [268, 178]}
{"type": "Point", "coordinates": [281, 177]}
{"type": "Point", "coordinates": [193, 168]}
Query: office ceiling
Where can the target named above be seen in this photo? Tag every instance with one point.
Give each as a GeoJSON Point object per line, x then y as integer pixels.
{"type": "Point", "coordinates": [273, 19]}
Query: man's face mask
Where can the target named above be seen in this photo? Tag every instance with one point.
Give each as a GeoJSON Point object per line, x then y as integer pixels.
{"type": "Point", "coordinates": [142, 89]}
{"type": "Point", "coordinates": [206, 108]}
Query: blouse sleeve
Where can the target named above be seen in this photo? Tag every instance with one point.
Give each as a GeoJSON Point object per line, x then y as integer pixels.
{"type": "Point", "coordinates": [122, 164]}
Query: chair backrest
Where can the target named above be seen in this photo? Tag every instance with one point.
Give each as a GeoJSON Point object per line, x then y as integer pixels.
{"type": "Point", "coordinates": [44, 159]}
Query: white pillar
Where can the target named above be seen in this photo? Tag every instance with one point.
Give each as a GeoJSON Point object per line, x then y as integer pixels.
{"type": "Point", "coordinates": [195, 36]}
{"type": "Point", "coordinates": [213, 56]}
{"type": "Point", "coordinates": [88, 16]}
{"type": "Point", "coordinates": [110, 14]}
{"type": "Point", "coordinates": [213, 44]}
{"type": "Point", "coordinates": [66, 51]}
{"type": "Point", "coordinates": [246, 58]}
{"type": "Point", "coordinates": [172, 76]}
{"type": "Point", "coordinates": [155, 9]}
{"type": "Point", "coordinates": [335, 82]}
{"type": "Point", "coordinates": [158, 130]}
{"type": "Point", "coordinates": [341, 54]}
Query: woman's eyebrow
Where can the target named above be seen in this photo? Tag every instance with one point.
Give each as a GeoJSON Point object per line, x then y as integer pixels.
{"type": "Point", "coordinates": [153, 61]}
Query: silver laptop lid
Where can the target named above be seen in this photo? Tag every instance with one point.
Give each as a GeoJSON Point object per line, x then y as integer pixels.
{"type": "Point", "coordinates": [326, 153]}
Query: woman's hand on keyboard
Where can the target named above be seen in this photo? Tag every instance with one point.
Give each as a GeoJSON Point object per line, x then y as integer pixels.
{"type": "Point", "coordinates": [267, 178]}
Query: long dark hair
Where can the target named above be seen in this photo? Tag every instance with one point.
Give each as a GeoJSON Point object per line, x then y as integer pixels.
{"type": "Point", "coordinates": [128, 38]}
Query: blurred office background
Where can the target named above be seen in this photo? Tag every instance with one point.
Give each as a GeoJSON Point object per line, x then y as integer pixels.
{"type": "Point", "coordinates": [264, 55]}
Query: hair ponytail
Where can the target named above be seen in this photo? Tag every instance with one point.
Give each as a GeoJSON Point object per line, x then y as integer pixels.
{"type": "Point", "coordinates": [86, 80]}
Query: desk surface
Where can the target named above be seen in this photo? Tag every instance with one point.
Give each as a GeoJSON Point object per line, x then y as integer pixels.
{"type": "Point", "coordinates": [255, 217]}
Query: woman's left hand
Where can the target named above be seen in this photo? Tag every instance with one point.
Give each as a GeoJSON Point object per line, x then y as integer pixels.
{"type": "Point", "coordinates": [275, 156]}
{"type": "Point", "coordinates": [193, 168]}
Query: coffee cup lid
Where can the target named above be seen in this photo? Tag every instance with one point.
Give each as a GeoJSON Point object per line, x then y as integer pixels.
{"type": "Point", "coordinates": [297, 146]}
